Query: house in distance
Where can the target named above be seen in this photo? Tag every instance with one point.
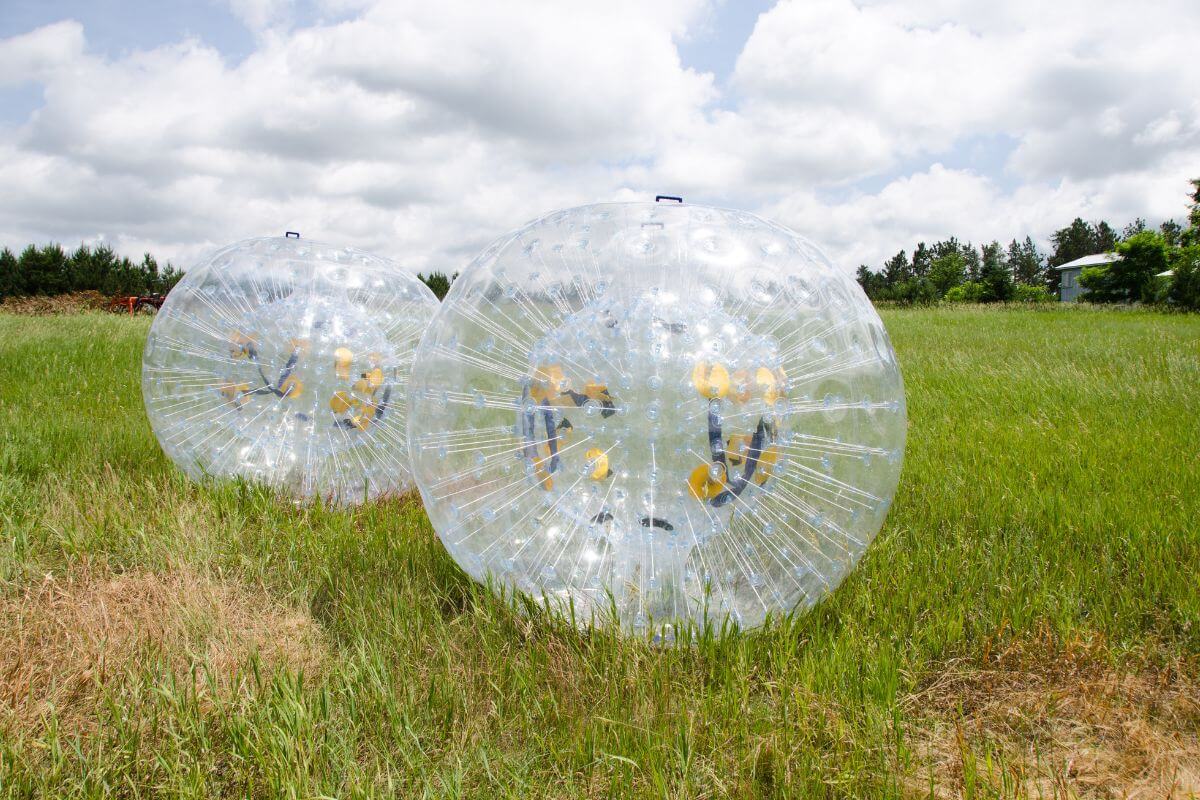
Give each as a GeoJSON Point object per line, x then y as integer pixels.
{"type": "Point", "coordinates": [1068, 274]}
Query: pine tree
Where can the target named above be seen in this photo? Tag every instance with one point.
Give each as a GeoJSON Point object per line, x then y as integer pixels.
{"type": "Point", "coordinates": [149, 274]}
{"type": "Point", "coordinates": [1105, 237]}
{"type": "Point", "coordinates": [1134, 228]}
{"type": "Point", "coordinates": [922, 260]}
{"type": "Point", "coordinates": [950, 245]}
{"type": "Point", "coordinates": [1192, 234]}
{"type": "Point", "coordinates": [896, 270]}
{"type": "Point", "coordinates": [167, 279]}
{"type": "Point", "coordinates": [865, 279]}
{"type": "Point", "coordinates": [10, 274]}
{"type": "Point", "coordinates": [104, 268]}
{"type": "Point", "coordinates": [43, 270]}
{"type": "Point", "coordinates": [78, 269]}
{"type": "Point", "coordinates": [1074, 241]}
{"type": "Point", "coordinates": [994, 275]}
{"type": "Point", "coordinates": [971, 260]}
{"type": "Point", "coordinates": [438, 282]}
{"type": "Point", "coordinates": [1025, 262]}
{"type": "Point", "coordinates": [1172, 232]}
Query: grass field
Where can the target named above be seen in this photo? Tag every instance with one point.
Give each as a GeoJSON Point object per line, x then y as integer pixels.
{"type": "Point", "coordinates": [1026, 624]}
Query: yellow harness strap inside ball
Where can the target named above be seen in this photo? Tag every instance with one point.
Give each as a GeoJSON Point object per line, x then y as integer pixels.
{"type": "Point", "coordinates": [702, 485]}
{"type": "Point", "coordinates": [599, 461]}
{"type": "Point", "coordinates": [712, 382]}
{"type": "Point", "coordinates": [341, 362]}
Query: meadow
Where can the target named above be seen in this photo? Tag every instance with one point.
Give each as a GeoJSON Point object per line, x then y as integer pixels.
{"type": "Point", "coordinates": [1027, 624]}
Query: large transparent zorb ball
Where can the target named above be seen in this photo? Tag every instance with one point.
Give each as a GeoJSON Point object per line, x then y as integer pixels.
{"type": "Point", "coordinates": [676, 413]}
{"type": "Point", "coordinates": [286, 362]}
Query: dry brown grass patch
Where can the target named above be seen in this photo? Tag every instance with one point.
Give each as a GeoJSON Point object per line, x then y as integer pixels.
{"type": "Point", "coordinates": [66, 641]}
{"type": "Point", "coordinates": [1059, 722]}
{"type": "Point", "coordinates": [70, 303]}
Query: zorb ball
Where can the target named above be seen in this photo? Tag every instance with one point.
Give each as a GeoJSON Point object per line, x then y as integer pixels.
{"type": "Point", "coordinates": [286, 362]}
{"type": "Point", "coordinates": [662, 413]}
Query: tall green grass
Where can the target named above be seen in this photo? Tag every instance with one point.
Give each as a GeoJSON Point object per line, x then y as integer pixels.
{"type": "Point", "coordinates": [1050, 492]}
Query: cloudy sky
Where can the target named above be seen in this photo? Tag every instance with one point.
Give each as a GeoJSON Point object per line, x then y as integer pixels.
{"type": "Point", "coordinates": [422, 130]}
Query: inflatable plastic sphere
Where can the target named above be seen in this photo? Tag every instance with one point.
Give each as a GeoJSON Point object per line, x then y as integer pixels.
{"type": "Point", "coordinates": [674, 413]}
{"type": "Point", "coordinates": [286, 361]}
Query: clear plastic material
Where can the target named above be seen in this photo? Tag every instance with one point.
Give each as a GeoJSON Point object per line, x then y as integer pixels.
{"type": "Point", "coordinates": [674, 413]}
{"type": "Point", "coordinates": [286, 362]}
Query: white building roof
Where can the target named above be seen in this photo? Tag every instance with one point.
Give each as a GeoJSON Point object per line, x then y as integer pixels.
{"type": "Point", "coordinates": [1090, 261]}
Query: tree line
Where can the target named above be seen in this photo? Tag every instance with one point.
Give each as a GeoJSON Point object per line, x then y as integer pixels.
{"type": "Point", "coordinates": [50, 270]}
{"type": "Point", "coordinates": [955, 271]}
{"type": "Point", "coordinates": [948, 270]}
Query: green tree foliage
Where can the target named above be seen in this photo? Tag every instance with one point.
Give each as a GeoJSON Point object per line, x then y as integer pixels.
{"type": "Point", "coordinates": [922, 261]}
{"type": "Point", "coordinates": [972, 261]}
{"type": "Point", "coordinates": [1094, 282]}
{"type": "Point", "coordinates": [1172, 233]}
{"type": "Point", "coordinates": [438, 282]}
{"type": "Point", "coordinates": [968, 292]}
{"type": "Point", "coordinates": [1025, 262]}
{"type": "Point", "coordinates": [950, 245]}
{"type": "Point", "coordinates": [1192, 234]}
{"type": "Point", "coordinates": [10, 278]}
{"type": "Point", "coordinates": [1134, 228]}
{"type": "Point", "coordinates": [1074, 241]}
{"type": "Point", "coordinates": [897, 283]}
{"type": "Point", "coordinates": [958, 272]}
{"type": "Point", "coordinates": [896, 269]}
{"type": "Point", "coordinates": [871, 282]}
{"type": "Point", "coordinates": [1143, 256]}
{"type": "Point", "coordinates": [1031, 293]}
{"type": "Point", "coordinates": [935, 270]}
{"type": "Point", "coordinates": [43, 270]}
{"type": "Point", "coordinates": [1184, 290]}
{"type": "Point", "coordinates": [915, 291]}
{"type": "Point", "coordinates": [1106, 237]}
{"type": "Point", "coordinates": [948, 270]}
{"type": "Point", "coordinates": [994, 276]}
{"type": "Point", "coordinates": [49, 270]}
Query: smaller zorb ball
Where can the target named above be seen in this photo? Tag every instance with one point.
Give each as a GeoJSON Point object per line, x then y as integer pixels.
{"type": "Point", "coordinates": [670, 412]}
{"type": "Point", "coordinates": [286, 362]}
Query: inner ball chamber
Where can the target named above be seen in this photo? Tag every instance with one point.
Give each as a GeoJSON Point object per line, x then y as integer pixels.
{"type": "Point", "coordinates": [663, 413]}
{"type": "Point", "coordinates": [639, 405]}
{"type": "Point", "coordinates": [315, 370]}
{"type": "Point", "coordinates": [286, 362]}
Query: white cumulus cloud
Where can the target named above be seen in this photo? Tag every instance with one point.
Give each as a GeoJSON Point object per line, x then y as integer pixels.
{"type": "Point", "coordinates": [422, 131]}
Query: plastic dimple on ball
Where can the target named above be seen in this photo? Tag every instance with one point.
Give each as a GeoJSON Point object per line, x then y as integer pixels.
{"type": "Point", "coordinates": [286, 362]}
{"type": "Point", "coordinates": [667, 414]}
